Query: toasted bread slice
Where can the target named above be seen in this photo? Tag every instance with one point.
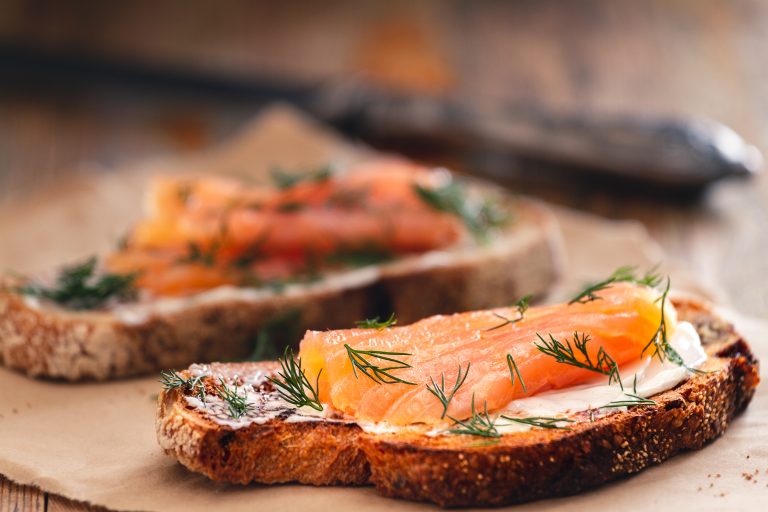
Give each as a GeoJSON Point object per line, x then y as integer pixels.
{"type": "Point", "coordinates": [462, 470]}
{"type": "Point", "coordinates": [44, 340]}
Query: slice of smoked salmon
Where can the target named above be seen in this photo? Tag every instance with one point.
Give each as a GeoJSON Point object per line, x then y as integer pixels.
{"type": "Point", "coordinates": [621, 321]}
{"type": "Point", "coordinates": [245, 229]}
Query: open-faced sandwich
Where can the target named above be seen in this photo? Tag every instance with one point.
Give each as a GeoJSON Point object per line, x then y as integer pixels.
{"type": "Point", "coordinates": [217, 263]}
{"type": "Point", "coordinates": [480, 408]}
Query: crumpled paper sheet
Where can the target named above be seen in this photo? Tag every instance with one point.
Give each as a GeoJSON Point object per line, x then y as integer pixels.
{"type": "Point", "coordinates": [96, 442]}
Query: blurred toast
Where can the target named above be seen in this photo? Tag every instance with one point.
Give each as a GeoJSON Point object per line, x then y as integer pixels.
{"type": "Point", "coordinates": [43, 339]}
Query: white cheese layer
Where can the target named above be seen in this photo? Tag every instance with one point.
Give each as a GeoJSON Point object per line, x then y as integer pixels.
{"type": "Point", "coordinates": [645, 379]}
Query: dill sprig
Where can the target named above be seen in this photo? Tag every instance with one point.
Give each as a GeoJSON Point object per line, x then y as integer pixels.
{"type": "Point", "coordinates": [238, 404]}
{"type": "Point", "coordinates": [513, 369]}
{"type": "Point", "coordinates": [378, 374]}
{"type": "Point", "coordinates": [285, 180]}
{"type": "Point", "coordinates": [197, 254]}
{"type": "Point", "coordinates": [275, 333]}
{"type": "Point", "coordinates": [439, 391]}
{"type": "Point", "coordinates": [662, 349]}
{"type": "Point", "coordinates": [661, 346]}
{"type": "Point", "coordinates": [479, 424]}
{"type": "Point", "coordinates": [170, 379]}
{"type": "Point", "coordinates": [290, 207]}
{"type": "Point", "coordinates": [626, 274]}
{"type": "Point", "coordinates": [540, 421]}
{"type": "Point", "coordinates": [347, 198]}
{"type": "Point", "coordinates": [293, 385]}
{"type": "Point", "coordinates": [253, 252]}
{"type": "Point", "coordinates": [358, 257]}
{"type": "Point", "coordinates": [566, 353]}
{"type": "Point", "coordinates": [631, 401]}
{"type": "Point", "coordinates": [521, 305]}
{"type": "Point", "coordinates": [78, 286]}
{"type": "Point", "coordinates": [452, 198]}
{"type": "Point", "coordinates": [375, 323]}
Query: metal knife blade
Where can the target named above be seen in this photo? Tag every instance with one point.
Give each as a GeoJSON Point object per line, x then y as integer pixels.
{"type": "Point", "coordinates": [675, 153]}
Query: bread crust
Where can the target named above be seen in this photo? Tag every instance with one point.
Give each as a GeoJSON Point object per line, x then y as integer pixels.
{"type": "Point", "coordinates": [456, 471]}
{"type": "Point", "coordinates": [45, 341]}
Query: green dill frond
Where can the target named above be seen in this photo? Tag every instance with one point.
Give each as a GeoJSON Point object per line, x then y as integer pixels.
{"type": "Point", "coordinates": [293, 385]}
{"type": "Point", "coordinates": [659, 343]}
{"type": "Point", "coordinates": [479, 424]}
{"type": "Point", "coordinates": [379, 374]}
{"type": "Point", "coordinates": [285, 180]}
{"type": "Point", "coordinates": [439, 390]}
{"type": "Point", "coordinates": [170, 379]}
{"type": "Point", "coordinates": [632, 400]}
{"type": "Point", "coordinates": [566, 353]}
{"type": "Point", "coordinates": [374, 323]}
{"type": "Point", "coordinates": [514, 370]}
{"type": "Point", "coordinates": [521, 305]}
{"type": "Point", "coordinates": [452, 198]}
{"type": "Point", "coordinates": [197, 254]}
{"type": "Point", "coordinates": [78, 287]}
{"type": "Point", "coordinates": [540, 421]}
{"type": "Point", "coordinates": [358, 257]}
{"type": "Point", "coordinates": [625, 274]}
{"type": "Point", "coordinates": [238, 404]}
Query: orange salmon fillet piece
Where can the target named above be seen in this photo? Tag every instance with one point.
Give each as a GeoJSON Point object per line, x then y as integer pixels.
{"type": "Point", "coordinates": [207, 231]}
{"type": "Point", "coordinates": [375, 205]}
{"type": "Point", "coordinates": [621, 321]}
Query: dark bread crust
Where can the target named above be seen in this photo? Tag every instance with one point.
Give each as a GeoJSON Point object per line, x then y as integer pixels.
{"type": "Point", "coordinates": [56, 343]}
{"type": "Point", "coordinates": [464, 471]}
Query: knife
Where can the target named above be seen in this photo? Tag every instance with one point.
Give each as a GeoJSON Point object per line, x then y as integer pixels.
{"type": "Point", "coordinates": [670, 153]}
{"type": "Point", "coordinates": [502, 142]}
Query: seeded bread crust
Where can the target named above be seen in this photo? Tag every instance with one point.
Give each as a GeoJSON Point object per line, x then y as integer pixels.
{"type": "Point", "coordinates": [467, 471]}
{"type": "Point", "coordinates": [51, 342]}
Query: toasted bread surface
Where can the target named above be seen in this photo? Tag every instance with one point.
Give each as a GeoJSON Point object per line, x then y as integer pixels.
{"type": "Point", "coordinates": [465, 470]}
{"type": "Point", "coordinates": [46, 341]}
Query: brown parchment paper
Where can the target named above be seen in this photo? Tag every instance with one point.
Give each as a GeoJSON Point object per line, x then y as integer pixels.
{"type": "Point", "coordinates": [96, 442]}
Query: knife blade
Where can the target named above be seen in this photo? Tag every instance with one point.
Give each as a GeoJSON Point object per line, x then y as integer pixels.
{"type": "Point", "coordinates": [663, 152]}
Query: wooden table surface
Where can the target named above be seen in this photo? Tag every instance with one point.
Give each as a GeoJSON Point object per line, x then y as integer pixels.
{"type": "Point", "coordinates": [672, 57]}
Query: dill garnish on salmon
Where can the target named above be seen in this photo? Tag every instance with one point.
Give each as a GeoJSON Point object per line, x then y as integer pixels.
{"type": "Point", "coordinates": [546, 348]}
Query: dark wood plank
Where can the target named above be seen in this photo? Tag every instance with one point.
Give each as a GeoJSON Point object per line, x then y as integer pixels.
{"type": "Point", "coordinates": [59, 504]}
{"type": "Point", "coordinates": [21, 498]}
{"type": "Point", "coordinates": [25, 498]}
